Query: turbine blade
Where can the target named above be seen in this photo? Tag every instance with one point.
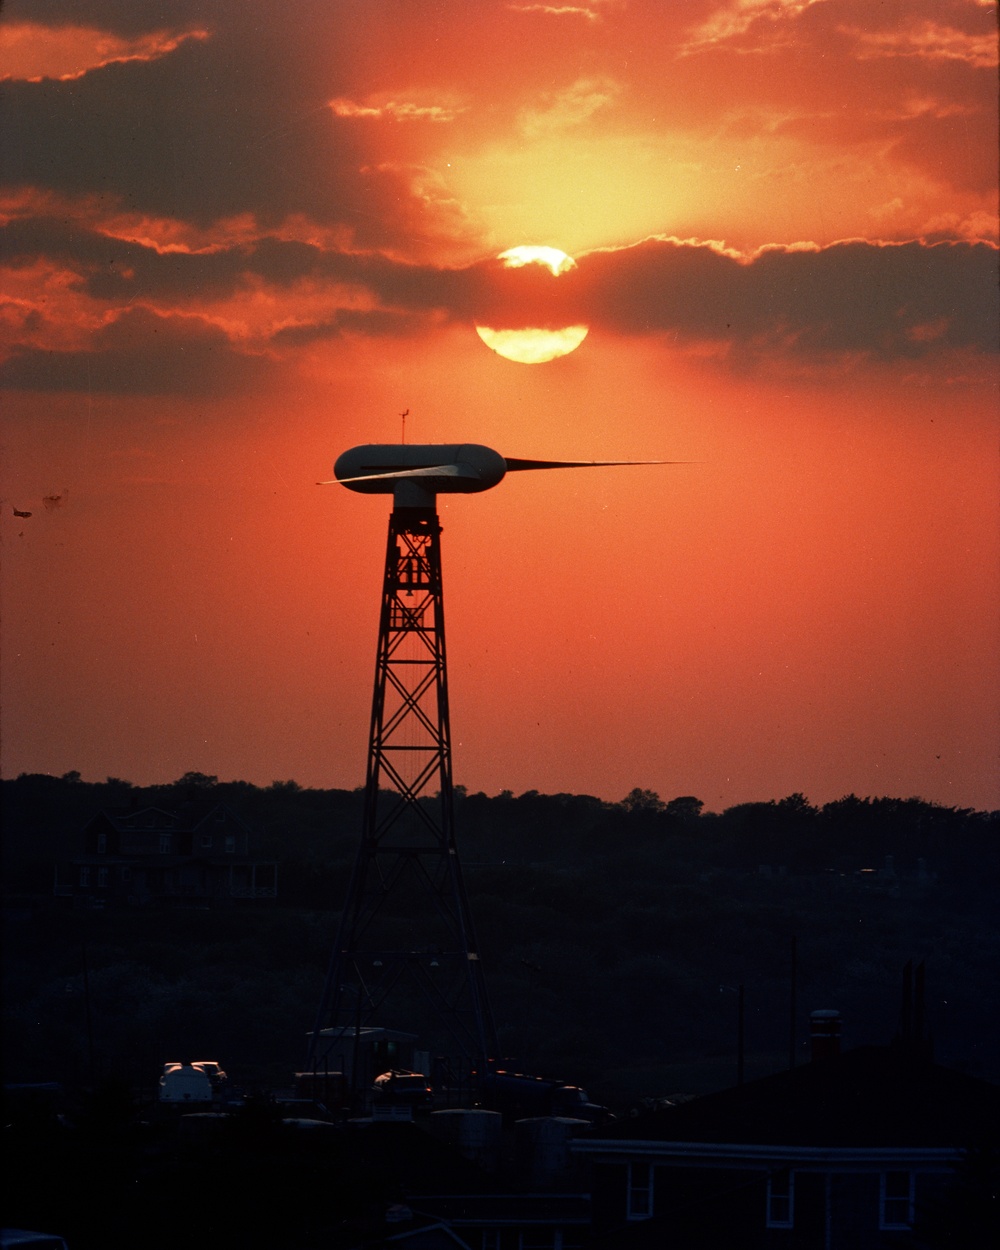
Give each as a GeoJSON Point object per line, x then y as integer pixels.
{"type": "Point", "coordinates": [434, 470]}
{"type": "Point", "coordinates": [515, 466]}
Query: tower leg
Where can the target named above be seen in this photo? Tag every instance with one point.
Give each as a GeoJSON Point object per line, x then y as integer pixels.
{"type": "Point", "coordinates": [406, 932]}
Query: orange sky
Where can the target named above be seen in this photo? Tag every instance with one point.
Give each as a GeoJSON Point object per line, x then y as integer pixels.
{"type": "Point", "coordinates": [236, 245]}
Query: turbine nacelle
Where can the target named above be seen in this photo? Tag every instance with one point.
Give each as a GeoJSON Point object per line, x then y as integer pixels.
{"type": "Point", "coordinates": [413, 473]}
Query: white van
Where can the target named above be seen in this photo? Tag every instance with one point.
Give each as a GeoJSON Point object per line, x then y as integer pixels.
{"type": "Point", "coordinates": [183, 1082]}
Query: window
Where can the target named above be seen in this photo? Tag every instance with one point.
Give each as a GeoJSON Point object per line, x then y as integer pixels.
{"type": "Point", "coordinates": [491, 1239]}
{"type": "Point", "coordinates": [639, 1195]}
{"type": "Point", "coordinates": [206, 840]}
{"type": "Point", "coordinates": [230, 844]}
{"type": "Point", "coordinates": [781, 1199]}
{"type": "Point", "coordinates": [84, 875]}
{"type": "Point", "coordinates": [102, 878]}
{"type": "Point", "coordinates": [102, 843]}
{"type": "Point", "coordinates": [896, 1200]}
{"type": "Point", "coordinates": [164, 843]}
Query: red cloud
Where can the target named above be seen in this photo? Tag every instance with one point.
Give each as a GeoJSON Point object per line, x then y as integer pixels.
{"type": "Point", "coordinates": [32, 52]}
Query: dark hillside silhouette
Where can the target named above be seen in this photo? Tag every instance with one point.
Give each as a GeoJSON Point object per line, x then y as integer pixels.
{"type": "Point", "coordinates": [615, 935]}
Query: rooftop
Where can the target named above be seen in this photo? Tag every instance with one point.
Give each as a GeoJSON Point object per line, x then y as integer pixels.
{"type": "Point", "coordinates": [868, 1097]}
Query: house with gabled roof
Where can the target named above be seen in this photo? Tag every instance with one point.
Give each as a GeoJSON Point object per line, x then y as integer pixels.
{"type": "Point", "coordinates": [848, 1152]}
{"type": "Point", "coordinates": [192, 853]}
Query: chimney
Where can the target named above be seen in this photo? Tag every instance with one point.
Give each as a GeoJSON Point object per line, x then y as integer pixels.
{"type": "Point", "coordinates": [824, 1035]}
{"type": "Point", "coordinates": [913, 1038]}
{"type": "Point", "coordinates": [906, 1007]}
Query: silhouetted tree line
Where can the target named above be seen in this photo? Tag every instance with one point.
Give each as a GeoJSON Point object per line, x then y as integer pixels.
{"type": "Point", "coordinates": [316, 830]}
{"type": "Point", "coordinates": [614, 934]}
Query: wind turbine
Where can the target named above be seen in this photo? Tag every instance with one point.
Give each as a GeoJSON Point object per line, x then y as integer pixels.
{"type": "Point", "coordinates": [408, 853]}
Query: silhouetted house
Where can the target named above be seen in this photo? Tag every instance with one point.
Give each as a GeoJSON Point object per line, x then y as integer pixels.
{"type": "Point", "coordinates": [194, 852]}
{"type": "Point", "coordinates": [845, 1153]}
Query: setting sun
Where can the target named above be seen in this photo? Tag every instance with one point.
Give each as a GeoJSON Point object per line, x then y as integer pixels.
{"type": "Point", "coordinates": [533, 344]}
{"type": "Point", "coordinates": [552, 257]}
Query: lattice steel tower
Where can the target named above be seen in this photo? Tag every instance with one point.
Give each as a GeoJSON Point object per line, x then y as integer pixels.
{"type": "Point", "coordinates": [406, 930]}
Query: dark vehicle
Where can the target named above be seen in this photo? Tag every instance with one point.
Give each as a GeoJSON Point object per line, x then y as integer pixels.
{"type": "Point", "coordinates": [403, 1089]}
{"type": "Point", "coordinates": [520, 1096]}
{"type": "Point", "coordinates": [22, 1239]}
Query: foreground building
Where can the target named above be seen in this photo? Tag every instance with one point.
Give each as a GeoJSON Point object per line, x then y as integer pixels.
{"type": "Point", "coordinates": [850, 1152]}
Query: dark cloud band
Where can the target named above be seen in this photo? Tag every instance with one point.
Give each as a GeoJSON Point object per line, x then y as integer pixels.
{"type": "Point", "coordinates": [877, 300]}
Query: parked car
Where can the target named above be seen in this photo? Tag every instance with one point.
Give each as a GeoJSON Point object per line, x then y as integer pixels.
{"type": "Point", "coordinates": [23, 1239]}
{"type": "Point", "coordinates": [519, 1096]}
{"type": "Point", "coordinates": [403, 1089]}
